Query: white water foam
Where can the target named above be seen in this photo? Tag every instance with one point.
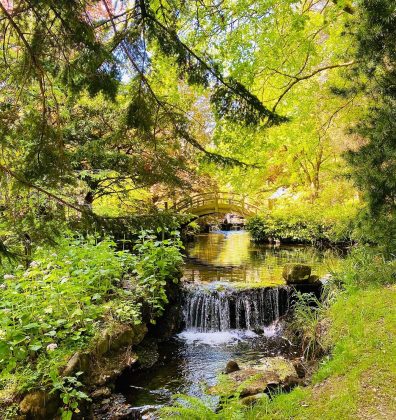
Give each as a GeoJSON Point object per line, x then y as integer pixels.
{"type": "Point", "coordinates": [273, 329]}
{"type": "Point", "coordinates": [215, 338]}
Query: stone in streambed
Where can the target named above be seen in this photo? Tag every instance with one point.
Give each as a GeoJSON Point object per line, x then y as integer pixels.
{"type": "Point", "coordinates": [101, 393]}
{"type": "Point", "coordinates": [296, 273]}
{"type": "Point", "coordinates": [39, 405]}
{"type": "Point", "coordinates": [232, 366]}
{"type": "Point", "coordinates": [266, 374]}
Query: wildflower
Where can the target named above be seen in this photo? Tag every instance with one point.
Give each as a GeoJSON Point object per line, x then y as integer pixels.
{"type": "Point", "coordinates": [52, 347]}
{"type": "Point", "coordinates": [34, 264]}
{"type": "Point", "coordinates": [8, 276]}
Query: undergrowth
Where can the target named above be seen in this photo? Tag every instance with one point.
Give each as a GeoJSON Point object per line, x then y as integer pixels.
{"type": "Point", "coordinates": [66, 295]}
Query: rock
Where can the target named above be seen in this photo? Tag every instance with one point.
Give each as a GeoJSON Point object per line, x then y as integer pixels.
{"type": "Point", "coordinates": [253, 399]}
{"type": "Point", "coordinates": [296, 273]}
{"type": "Point", "coordinates": [252, 381]}
{"type": "Point", "coordinates": [232, 366]}
{"type": "Point", "coordinates": [119, 336]}
{"type": "Point", "coordinates": [101, 393]}
{"type": "Point", "coordinates": [300, 368]}
{"type": "Point", "coordinates": [313, 278]}
{"type": "Point", "coordinates": [39, 405]}
{"type": "Point", "coordinates": [268, 373]}
{"type": "Point", "coordinates": [79, 362]}
{"type": "Point", "coordinates": [107, 369]}
{"type": "Point", "coordinates": [282, 367]}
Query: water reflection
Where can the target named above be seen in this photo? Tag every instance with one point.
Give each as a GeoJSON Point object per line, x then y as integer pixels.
{"type": "Point", "coordinates": [232, 256]}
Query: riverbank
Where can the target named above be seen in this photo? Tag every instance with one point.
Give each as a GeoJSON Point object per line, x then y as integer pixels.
{"type": "Point", "coordinates": [70, 321]}
{"type": "Point", "coordinates": [358, 379]}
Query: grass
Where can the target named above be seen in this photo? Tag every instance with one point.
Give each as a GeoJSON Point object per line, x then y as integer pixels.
{"type": "Point", "coordinates": [359, 380]}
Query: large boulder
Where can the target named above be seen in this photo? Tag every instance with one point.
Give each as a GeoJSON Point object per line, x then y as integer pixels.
{"type": "Point", "coordinates": [268, 373]}
{"type": "Point", "coordinates": [232, 366]}
{"type": "Point", "coordinates": [296, 273]}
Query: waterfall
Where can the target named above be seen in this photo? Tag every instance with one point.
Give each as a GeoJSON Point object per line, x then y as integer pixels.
{"type": "Point", "coordinates": [207, 309]}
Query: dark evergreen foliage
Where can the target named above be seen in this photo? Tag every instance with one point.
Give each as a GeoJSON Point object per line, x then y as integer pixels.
{"type": "Point", "coordinates": [374, 164]}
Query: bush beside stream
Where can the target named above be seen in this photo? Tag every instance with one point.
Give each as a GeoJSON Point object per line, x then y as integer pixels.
{"type": "Point", "coordinates": [62, 302]}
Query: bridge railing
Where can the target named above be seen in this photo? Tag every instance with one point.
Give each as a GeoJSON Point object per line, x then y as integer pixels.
{"type": "Point", "coordinates": [215, 199]}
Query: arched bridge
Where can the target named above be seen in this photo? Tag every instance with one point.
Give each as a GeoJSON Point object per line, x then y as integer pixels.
{"type": "Point", "coordinates": [215, 202]}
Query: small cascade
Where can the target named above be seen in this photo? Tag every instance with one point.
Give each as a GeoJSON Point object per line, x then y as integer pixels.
{"type": "Point", "coordinates": [210, 310]}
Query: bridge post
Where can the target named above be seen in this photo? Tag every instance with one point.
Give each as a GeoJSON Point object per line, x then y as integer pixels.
{"type": "Point", "coordinates": [216, 202]}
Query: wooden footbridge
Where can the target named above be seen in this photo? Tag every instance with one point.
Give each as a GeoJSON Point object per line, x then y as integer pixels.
{"type": "Point", "coordinates": [206, 204]}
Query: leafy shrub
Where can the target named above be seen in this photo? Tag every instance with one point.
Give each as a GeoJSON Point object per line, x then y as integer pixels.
{"type": "Point", "coordinates": [56, 299]}
{"type": "Point", "coordinates": [156, 262]}
{"type": "Point", "coordinates": [58, 304]}
{"type": "Point", "coordinates": [299, 229]}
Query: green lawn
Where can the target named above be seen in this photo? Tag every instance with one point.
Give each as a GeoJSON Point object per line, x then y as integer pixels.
{"type": "Point", "coordinates": [359, 380]}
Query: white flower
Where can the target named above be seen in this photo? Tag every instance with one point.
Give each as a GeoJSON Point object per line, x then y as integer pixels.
{"type": "Point", "coordinates": [34, 264]}
{"type": "Point", "coordinates": [52, 347]}
{"type": "Point", "coordinates": [3, 286]}
{"type": "Point", "coordinates": [8, 276]}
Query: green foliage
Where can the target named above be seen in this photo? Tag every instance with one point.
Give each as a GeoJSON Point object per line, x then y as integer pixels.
{"type": "Point", "coordinates": [373, 161]}
{"type": "Point", "coordinates": [301, 228]}
{"type": "Point", "coordinates": [69, 389]}
{"type": "Point", "coordinates": [367, 267]}
{"type": "Point", "coordinates": [155, 263]}
{"type": "Point", "coordinates": [56, 299]}
{"type": "Point", "coordinates": [68, 293]}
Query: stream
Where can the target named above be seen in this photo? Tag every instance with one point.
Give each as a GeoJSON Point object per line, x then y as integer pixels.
{"type": "Point", "coordinates": [234, 301]}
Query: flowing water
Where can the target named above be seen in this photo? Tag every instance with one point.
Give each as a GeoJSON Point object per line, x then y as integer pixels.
{"type": "Point", "coordinates": [234, 300]}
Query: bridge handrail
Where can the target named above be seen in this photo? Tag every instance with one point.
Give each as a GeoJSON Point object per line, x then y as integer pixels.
{"type": "Point", "coordinates": [219, 197]}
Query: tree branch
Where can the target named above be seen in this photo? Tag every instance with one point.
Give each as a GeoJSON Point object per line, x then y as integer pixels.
{"type": "Point", "coordinates": [60, 200]}
{"type": "Point", "coordinates": [297, 79]}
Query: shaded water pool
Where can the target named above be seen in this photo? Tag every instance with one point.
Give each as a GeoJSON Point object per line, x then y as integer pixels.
{"type": "Point", "coordinates": [235, 299]}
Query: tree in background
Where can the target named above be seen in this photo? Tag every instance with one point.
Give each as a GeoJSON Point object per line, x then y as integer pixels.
{"type": "Point", "coordinates": [95, 100]}
{"type": "Point", "coordinates": [374, 158]}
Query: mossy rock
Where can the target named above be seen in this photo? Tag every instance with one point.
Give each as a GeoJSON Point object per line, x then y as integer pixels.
{"type": "Point", "coordinates": [268, 373]}
{"type": "Point", "coordinates": [282, 367]}
{"type": "Point", "coordinates": [253, 399]}
{"type": "Point", "coordinates": [296, 273]}
{"type": "Point", "coordinates": [39, 405]}
{"type": "Point", "coordinates": [79, 362]}
{"type": "Point", "coordinates": [118, 336]}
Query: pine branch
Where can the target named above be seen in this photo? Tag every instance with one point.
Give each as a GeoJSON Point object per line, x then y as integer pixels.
{"type": "Point", "coordinates": [19, 179]}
